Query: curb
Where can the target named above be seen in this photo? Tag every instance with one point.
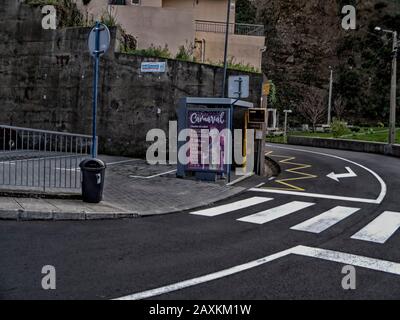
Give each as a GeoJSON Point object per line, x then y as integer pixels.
{"type": "Point", "coordinates": [39, 195]}
{"type": "Point", "coordinates": [196, 207]}
{"type": "Point", "coordinates": [20, 215]}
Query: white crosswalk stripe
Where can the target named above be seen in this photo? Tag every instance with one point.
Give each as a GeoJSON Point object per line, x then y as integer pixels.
{"type": "Point", "coordinates": [381, 229]}
{"type": "Point", "coordinates": [276, 213]}
{"type": "Point", "coordinates": [234, 206]}
{"type": "Point", "coordinates": [378, 231]}
{"type": "Point", "coordinates": [325, 220]}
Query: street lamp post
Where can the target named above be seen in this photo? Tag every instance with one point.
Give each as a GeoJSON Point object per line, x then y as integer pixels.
{"type": "Point", "coordinates": [393, 86]}
{"type": "Point", "coordinates": [286, 124]}
{"type": "Point", "coordinates": [228, 17]}
{"type": "Point", "coordinates": [330, 97]}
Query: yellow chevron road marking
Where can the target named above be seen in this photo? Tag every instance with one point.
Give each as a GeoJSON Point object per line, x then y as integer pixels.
{"type": "Point", "coordinates": [295, 170]}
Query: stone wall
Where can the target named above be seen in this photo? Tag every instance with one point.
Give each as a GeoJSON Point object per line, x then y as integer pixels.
{"type": "Point", "coordinates": [351, 145]}
{"type": "Point", "coordinates": [46, 83]}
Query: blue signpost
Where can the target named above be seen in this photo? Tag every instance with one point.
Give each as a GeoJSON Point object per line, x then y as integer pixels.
{"type": "Point", "coordinates": [99, 42]}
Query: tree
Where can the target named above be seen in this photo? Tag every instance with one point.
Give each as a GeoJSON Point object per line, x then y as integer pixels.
{"type": "Point", "coordinates": [245, 12]}
{"type": "Point", "coordinates": [339, 107]}
{"type": "Point", "coordinates": [313, 107]}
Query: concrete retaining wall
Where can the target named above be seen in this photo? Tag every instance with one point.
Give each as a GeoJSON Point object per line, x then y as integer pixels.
{"type": "Point", "coordinates": [46, 83]}
{"type": "Point", "coordinates": [352, 145]}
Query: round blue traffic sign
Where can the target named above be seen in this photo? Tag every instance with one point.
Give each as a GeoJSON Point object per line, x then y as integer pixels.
{"type": "Point", "coordinates": [104, 39]}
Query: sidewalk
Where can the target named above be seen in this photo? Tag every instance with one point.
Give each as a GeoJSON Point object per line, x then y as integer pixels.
{"type": "Point", "coordinates": [132, 189]}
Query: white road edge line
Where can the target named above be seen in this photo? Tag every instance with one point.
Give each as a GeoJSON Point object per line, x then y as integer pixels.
{"type": "Point", "coordinates": [243, 177]}
{"type": "Point", "coordinates": [206, 278]}
{"type": "Point", "coordinates": [108, 164]}
{"type": "Point", "coordinates": [329, 255]}
{"type": "Point", "coordinates": [378, 200]}
{"type": "Point", "coordinates": [156, 175]}
{"type": "Point", "coordinates": [349, 259]}
{"type": "Point", "coordinates": [123, 161]}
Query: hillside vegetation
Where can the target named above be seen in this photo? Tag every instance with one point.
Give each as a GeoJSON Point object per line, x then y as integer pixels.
{"type": "Point", "coordinates": [305, 37]}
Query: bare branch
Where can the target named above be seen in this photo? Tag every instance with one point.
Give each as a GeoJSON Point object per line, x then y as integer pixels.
{"type": "Point", "coordinates": [313, 107]}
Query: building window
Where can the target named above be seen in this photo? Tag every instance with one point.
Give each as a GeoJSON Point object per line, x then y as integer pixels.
{"type": "Point", "coordinates": [135, 2]}
{"type": "Point", "coordinates": [117, 2]}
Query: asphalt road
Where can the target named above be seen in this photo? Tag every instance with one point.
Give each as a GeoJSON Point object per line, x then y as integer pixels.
{"type": "Point", "coordinates": [306, 225]}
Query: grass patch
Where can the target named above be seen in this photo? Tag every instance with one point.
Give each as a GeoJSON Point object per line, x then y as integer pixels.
{"type": "Point", "coordinates": [151, 52]}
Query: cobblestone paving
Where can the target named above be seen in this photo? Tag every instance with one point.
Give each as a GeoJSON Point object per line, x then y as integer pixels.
{"type": "Point", "coordinates": [160, 194]}
{"type": "Point", "coordinates": [132, 187]}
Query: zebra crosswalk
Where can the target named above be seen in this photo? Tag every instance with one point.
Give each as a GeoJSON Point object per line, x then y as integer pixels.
{"type": "Point", "coordinates": [276, 213]}
{"type": "Point", "coordinates": [381, 229]}
{"type": "Point", "coordinates": [325, 220]}
{"type": "Point", "coordinates": [378, 231]}
{"type": "Point", "coordinates": [216, 211]}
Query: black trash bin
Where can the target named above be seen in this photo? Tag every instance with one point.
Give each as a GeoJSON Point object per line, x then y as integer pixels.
{"type": "Point", "coordinates": [92, 178]}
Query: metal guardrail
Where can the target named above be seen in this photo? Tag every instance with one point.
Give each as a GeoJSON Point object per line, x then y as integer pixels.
{"type": "Point", "coordinates": [234, 28]}
{"type": "Point", "coordinates": [41, 159]}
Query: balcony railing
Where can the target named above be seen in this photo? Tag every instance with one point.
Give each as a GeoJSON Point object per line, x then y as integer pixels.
{"type": "Point", "coordinates": [234, 28]}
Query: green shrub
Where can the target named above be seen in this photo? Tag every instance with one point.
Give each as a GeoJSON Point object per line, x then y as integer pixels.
{"type": "Point", "coordinates": [339, 128]}
{"type": "Point", "coordinates": [109, 18]}
{"type": "Point", "coordinates": [68, 14]}
{"type": "Point", "coordinates": [152, 51]}
{"type": "Point", "coordinates": [185, 53]}
{"type": "Point", "coordinates": [42, 2]}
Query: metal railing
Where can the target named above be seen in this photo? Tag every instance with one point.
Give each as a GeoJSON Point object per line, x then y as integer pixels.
{"type": "Point", "coordinates": [39, 159]}
{"type": "Point", "coordinates": [234, 28]}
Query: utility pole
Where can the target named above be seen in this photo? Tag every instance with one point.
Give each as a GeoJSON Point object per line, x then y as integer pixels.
{"type": "Point", "coordinates": [228, 17]}
{"type": "Point", "coordinates": [393, 88]}
{"type": "Point", "coordinates": [286, 124]}
{"type": "Point", "coordinates": [330, 98]}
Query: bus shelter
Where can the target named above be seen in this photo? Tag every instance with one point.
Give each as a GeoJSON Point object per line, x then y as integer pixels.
{"type": "Point", "coordinates": [201, 115]}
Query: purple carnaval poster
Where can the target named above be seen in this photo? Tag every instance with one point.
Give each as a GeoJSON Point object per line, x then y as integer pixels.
{"type": "Point", "coordinates": [205, 123]}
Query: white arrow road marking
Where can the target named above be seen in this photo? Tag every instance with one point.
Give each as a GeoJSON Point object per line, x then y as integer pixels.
{"type": "Point", "coordinates": [276, 213]}
{"type": "Point", "coordinates": [350, 174]}
{"type": "Point", "coordinates": [378, 200]}
{"type": "Point", "coordinates": [381, 229]}
{"type": "Point", "coordinates": [329, 255]}
{"type": "Point", "coordinates": [234, 206]}
{"type": "Point", "coordinates": [325, 220]}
